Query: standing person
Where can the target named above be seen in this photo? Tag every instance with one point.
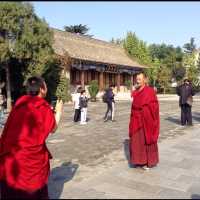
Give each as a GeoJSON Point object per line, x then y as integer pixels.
{"type": "Point", "coordinates": [24, 157]}
{"type": "Point", "coordinates": [110, 103]}
{"type": "Point", "coordinates": [144, 125]}
{"type": "Point", "coordinates": [83, 107]}
{"type": "Point", "coordinates": [185, 93]}
{"type": "Point", "coordinates": [76, 98]}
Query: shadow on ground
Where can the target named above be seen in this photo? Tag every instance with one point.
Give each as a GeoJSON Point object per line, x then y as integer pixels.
{"type": "Point", "coordinates": [195, 196]}
{"type": "Point", "coordinates": [174, 120]}
{"type": "Point", "coordinates": [59, 176]}
{"type": "Point", "coordinates": [127, 153]}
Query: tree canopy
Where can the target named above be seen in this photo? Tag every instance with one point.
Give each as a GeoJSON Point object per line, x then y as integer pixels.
{"type": "Point", "coordinates": [78, 29]}
{"type": "Point", "coordinates": [25, 44]}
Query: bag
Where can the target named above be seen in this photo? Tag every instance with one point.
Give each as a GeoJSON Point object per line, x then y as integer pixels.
{"type": "Point", "coordinates": [104, 98]}
{"type": "Point", "coordinates": [190, 100]}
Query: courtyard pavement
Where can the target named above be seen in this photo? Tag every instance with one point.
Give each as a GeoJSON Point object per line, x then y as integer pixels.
{"type": "Point", "coordinates": [91, 161]}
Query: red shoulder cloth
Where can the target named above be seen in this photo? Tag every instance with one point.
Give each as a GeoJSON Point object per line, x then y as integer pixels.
{"type": "Point", "coordinates": [24, 157]}
{"type": "Point", "coordinates": [145, 114]}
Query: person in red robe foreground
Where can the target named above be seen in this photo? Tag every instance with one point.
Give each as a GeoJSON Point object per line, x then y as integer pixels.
{"type": "Point", "coordinates": [144, 125]}
{"type": "Point", "coordinates": [24, 157]}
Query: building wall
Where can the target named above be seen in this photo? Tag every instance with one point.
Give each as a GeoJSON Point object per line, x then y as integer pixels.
{"type": "Point", "coordinates": [108, 78]}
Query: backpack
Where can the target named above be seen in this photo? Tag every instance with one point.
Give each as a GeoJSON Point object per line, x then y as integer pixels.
{"type": "Point", "coordinates": [104, 97]}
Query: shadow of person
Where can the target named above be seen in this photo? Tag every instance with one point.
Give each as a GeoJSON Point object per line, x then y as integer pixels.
{"type": "Point", "coordinates": [88, 119]}
{"type": "Point", "coordinates": [195, 196]}
{"type": "Point", "coordinates": [127, 153]}
{"type": "Point", "coordinates": [59, 176]}
{"type": "Point", "coordinates": [196, 118]}
{"type": "Point", "coordinates": [174, 120]}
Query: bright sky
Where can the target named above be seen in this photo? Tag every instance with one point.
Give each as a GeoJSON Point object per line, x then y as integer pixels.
{"type": "Point", "coordinates": [154, 22]}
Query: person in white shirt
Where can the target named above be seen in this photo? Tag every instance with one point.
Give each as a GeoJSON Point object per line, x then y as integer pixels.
{"type": "Point", "coordinates": [76, 100]}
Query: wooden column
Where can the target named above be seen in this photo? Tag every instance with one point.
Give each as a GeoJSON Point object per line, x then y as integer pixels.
{"type": "Point", "coordinates": [118, 82]}
{"type": "Point", "coordinates": [82, 79]}
{"type": "Point", "coordinates": [101, 84]}
{"type": "Point", "coordinates": [134, 79]}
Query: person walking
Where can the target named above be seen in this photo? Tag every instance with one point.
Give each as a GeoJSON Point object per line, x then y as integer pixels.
{"type": "Point", "coordinates": [83, 107]}
{"type": "Point", "coordinates": [186, 93]}
{"type": "Point", "coordinates": [24, 157]}
{"type": "Point", "coordinates": [109, 99]}
{"type": "Point", "coordinates": [144, 125]}
{"type": "Point", "coordinates": [76, 99]}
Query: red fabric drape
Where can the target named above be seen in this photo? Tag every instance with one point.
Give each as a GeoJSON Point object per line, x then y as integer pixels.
{"type": "Point", "coordinates": [145, 114]}
{"type": "Point", "coordinates": [24, 157]}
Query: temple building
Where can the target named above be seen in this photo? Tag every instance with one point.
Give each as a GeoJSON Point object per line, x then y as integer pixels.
{"type": "Point", "coordinates": [92, 59]}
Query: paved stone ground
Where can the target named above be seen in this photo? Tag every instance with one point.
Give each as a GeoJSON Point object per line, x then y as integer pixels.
{"type": "Point", "coordinates": [91, 161]}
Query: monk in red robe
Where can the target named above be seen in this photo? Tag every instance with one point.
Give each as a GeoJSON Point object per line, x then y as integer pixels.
{"type": "Point", "coordinates": [144, 125]}
{"type": "Point", "coordinates": [24, 157]}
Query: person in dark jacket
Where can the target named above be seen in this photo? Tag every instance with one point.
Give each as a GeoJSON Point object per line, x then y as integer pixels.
{"type": "Point", "coordinates": [110, 103]}
{"type": "Point", "coordinates": [185, 93]}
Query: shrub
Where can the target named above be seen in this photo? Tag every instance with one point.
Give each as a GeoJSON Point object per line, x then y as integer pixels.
{"type": "Point", "coordinates": [93, 89]}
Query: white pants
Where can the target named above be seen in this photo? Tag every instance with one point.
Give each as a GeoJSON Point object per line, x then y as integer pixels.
{"type": "Point", "coordinates": [113, 110]}
{"type": "Point", "coordinates": [83, 115]}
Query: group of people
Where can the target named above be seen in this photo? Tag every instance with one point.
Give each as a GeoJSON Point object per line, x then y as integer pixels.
{"type": "Point", "coordinates": [24, 156]}
{"type": "Point", "coordinates": [81, 104]}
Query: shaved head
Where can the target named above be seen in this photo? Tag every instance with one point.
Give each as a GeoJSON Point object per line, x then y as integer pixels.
{"type": "Point", "coordinates": [141, 79]}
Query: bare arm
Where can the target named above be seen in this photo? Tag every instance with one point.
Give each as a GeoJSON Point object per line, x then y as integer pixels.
{"type": "Point", "coordinates": [58, 114]}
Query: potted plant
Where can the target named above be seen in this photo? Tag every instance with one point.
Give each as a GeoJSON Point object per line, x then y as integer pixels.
{"type": "Point", "coordinates": [93, 90]}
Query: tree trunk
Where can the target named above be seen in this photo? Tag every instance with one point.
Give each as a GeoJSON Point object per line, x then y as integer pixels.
{"type": "Point", "coordinates": [8, 89]}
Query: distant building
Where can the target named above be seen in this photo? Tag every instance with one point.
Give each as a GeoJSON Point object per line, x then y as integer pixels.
{"type": "Point", "coordinates": [90, 59]}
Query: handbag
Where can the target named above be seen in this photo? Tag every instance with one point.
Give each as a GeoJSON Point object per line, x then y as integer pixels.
{"type": "Point", "coordinates": [190, 100]}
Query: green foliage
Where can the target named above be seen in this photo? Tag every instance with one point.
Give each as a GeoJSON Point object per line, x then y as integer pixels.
{"type": "Point", "coordinates": [190, 47]}
{"type": "Point", "coordinates": [118, 41]}
{"type": "Point", "coordinates": [179, 72]}
{"type": "Point", "coordinates": [61, 90]}
{"type": "Point", "coordinates": [192, 70]}
{"type": "Point", "coordinates": [29, 51]}
{"type": "Point", "coordinates": [78, 29]}
{"type": "Point", "coordinates": [137, 49]}
{"type": "Point", "coordinates": [152, 71]}
{"type": "Point", "coordinates": [93, 89]}
{"type": "Point", "coordinates": [164, 78]}
{"type": "Point", "coordinates": [192, 73]}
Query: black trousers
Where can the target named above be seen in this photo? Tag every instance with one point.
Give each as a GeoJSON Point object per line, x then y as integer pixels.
{"type": "Point", "coordinates": [186, 114]}
{"type": "Point", "coordinates": [109, 108]}
{"type": "Point", "coordinates": [8, 192]}
{"type": "Point", "coordinates": [77, 115]}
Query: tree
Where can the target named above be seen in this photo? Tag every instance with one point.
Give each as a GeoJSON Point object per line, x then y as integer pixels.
{"type": "Point", "coordinates": [117, 41]}
{"type": "Point", "coordinates": [32, 52]}
{"type": "Point", "coordinates": [164, 78]}
{"type": "Point", "coordinates": [153, 71]}
{"type": "Point", "coordinates": [78, 29]}
{"type": "Point", "coordinates": [179, 72]}
{"type": "Point", "coordinates": [137, 49]}
{"type": "Point", "coordinates": [190, 47]}
{"type": "Point", "coordinates": [131, 44]}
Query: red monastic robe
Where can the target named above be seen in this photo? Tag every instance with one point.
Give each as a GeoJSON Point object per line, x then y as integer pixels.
{"type": "Point", "coordinates": [24, 157]}
{"type": "Point", "coordinates": [144, 127]}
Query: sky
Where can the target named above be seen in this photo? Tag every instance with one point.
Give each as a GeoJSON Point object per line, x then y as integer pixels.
{"type": "Point", "coordinates": [154, 22]}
